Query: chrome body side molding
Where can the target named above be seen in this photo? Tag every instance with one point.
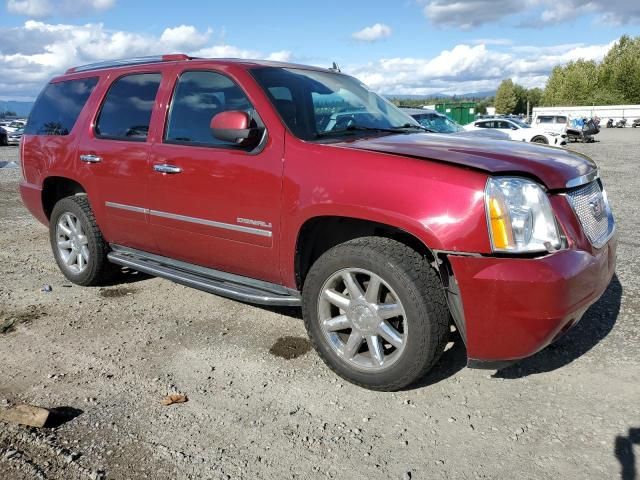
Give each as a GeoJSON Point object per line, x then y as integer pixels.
{"type": "Point", "coordinates": [129, 208]}
{"type": "Point", "coordinates": [211, 223]}
{"type": "Point", "coordinates": [200, 221]}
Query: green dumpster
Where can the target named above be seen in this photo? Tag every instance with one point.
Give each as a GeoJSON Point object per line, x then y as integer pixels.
{"type": "Point", "coordinates": [461, 112]}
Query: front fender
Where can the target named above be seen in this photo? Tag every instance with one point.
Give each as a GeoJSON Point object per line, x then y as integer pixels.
{"type": "Point", "coordinates": [440, 204]}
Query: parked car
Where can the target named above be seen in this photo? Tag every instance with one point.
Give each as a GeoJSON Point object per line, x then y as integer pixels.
{"type": "Point", "coordinates": [520, 131]}
{"type": "Point", "coordinates": [636, 123]}
{"type": "Point", "coordinates": [552, 123]}
{"type": "Point", "coordinates": [436, 122]}
{"type": "Point", "coordinates": [3, 137]}
{"type": "Point", "coordinates": [14, 125]}
{"type": "Point", "coordinates": [381, 232]}
{"type": "Point", "coordinates": [14, 137]}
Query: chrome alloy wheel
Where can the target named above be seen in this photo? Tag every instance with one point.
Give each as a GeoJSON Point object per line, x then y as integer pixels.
{"type": "Point", "coordinates": [363, 319]}
{"type": "Point", "coordinates": [73, 245]}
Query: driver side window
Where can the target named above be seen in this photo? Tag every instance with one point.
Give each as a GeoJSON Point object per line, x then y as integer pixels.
{"type": "Point", "coordinates": [198, 97]}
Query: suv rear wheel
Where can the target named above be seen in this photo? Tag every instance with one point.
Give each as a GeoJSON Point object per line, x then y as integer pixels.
{"type": "Point", "coordinates": [77, 243]}
{"type": "Point", "coordinates": [376, 313]}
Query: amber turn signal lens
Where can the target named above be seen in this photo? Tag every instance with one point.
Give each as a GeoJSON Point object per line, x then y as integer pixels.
{"type": "Point", "coordinates": [500, 229]}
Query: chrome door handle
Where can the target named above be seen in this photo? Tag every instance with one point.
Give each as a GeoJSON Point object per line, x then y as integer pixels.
{"type": "Point", "coordinates": [88, 158]}
{"type": "Point", "coordinates": [164, 168]}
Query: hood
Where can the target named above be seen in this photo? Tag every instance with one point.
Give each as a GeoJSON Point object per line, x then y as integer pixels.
{"type": "Point", "coordinates": [554, 167]}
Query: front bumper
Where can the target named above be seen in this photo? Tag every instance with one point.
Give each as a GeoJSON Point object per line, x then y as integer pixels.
{"type": "Point", "coordinates": [514, 307]}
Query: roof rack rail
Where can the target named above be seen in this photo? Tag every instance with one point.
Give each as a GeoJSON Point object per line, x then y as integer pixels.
{"type": "Point", "coordinates": [124, 62]}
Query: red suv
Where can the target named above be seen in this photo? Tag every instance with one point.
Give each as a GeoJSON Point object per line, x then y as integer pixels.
{"type": "Point", "coordinates": [282, 184]}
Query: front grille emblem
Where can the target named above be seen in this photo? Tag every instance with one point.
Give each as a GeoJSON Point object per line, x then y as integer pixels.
{"type": "Point", "coordinates": [597, 206]}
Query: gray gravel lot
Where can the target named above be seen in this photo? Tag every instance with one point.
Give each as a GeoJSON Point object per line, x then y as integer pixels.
{"type": "Point", "coordinates": [107, 356]}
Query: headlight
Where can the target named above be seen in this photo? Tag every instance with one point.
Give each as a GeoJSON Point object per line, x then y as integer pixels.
{"type": "Point", "coordinates": [519, 216]}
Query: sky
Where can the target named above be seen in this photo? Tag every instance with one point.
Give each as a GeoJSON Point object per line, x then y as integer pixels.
{"type": "Point", "coordinates": [415, 47]}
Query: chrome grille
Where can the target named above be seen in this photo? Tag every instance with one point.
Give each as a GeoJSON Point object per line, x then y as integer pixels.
{"type": "Point", "coordinates": [590, 204]}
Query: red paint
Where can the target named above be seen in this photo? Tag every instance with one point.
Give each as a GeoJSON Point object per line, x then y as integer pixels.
{"type": "Point", "coordinates": [430, 186]}
{"type": "Point", "coordinates": [230, 120]}
{"type": "Point", "coordinates": [515, 307]}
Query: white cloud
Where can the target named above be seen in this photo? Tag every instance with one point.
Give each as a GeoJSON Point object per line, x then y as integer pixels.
{"type": "Point", "coordinates": [467, 68]}
{"type": "Point", "coordinates": [468, 14]}
{"type": "Point", "coordinates": [281, 56]}
{"type": "Point", "coordinates": [44, 8]}
{"type": "Point", "coordinates": [33, 53]}
{"type": "Point", "coordinates": [184, 37]}
{"type": "Point", "coordinates": [373, 33]}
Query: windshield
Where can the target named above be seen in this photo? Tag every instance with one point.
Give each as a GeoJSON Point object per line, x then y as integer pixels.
{"type": "Point", "coordinates": [520, 123]}
{"type": "Point", "coordinates": [317, 104]}
{"type": "Point", "coordinates": [438, 123]}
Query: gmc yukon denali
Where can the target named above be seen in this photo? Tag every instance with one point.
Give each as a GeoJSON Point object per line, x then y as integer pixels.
{"type": "Point", "coordinates": [281, 184]}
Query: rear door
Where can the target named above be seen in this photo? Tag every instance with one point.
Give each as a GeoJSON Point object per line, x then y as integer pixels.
{"type": "Point", "coordinates": [114, 157]}
{"type": "Point", "coordinates": [213, 203]}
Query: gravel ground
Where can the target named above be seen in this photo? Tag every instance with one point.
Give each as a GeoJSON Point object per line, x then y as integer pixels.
{"type": "Point", "coordinates": [261, 405]}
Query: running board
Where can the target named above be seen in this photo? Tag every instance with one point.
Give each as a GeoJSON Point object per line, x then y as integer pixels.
{"type": "Point", "coordinates": [225, 284]}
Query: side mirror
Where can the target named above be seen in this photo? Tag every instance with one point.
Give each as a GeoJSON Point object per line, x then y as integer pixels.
{"type": "Point", "coordinates": [514, 128]}
{"type": "Point", "coordinates": [235, 127]}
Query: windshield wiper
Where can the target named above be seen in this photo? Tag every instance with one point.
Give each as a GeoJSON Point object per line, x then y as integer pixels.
{"type": "Point", "coordinates": [362, 128]}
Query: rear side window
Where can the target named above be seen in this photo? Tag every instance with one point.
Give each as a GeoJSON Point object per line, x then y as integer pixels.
{"type": "Point", "coordinates": [58, 106]}
{"type": "Point", "coordinates": [126, 111]}
{"type": "Point", "coordinates": [198, 97]}
{"type": "Point", "coordinates": [545, 119]}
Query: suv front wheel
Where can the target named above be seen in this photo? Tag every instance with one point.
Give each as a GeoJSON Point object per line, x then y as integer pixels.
{"type": "Point", "coordinates": [77, 243]}
{"type": "Point", "coordinates": [376, 312]}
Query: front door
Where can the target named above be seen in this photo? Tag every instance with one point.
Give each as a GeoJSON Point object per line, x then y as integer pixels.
{"type": "Point", "coordinates": [213, 203]}
{"type": "Point", "coordinates": [114, 158]}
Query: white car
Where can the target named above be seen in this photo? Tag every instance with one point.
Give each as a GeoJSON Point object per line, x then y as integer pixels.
{"type": "Point", "coordinates": [14, 125]}
{"type": "Point", "coordinates": [520, 131]}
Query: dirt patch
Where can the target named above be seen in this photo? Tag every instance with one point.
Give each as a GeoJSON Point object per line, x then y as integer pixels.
{"type": "Point", "coordinates": [117, 292]}
{"type": "Point", "coordinates": [290, 347]}
{"type": "Point", "coordinates": [9, 320]}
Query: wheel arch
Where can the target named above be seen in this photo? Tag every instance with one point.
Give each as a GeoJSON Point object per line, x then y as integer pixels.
{"type": "Point", "coordinates": [538, 137]}
{"type": "Point", "coordinates": [55, 188]}
{"type": "Point", "coordinates": [320, 233]}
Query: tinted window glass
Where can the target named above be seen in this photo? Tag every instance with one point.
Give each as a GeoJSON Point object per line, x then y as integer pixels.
{"type": "Point", "coordinates": [126, 111]}
{"type": "Point", "coordinates": [561, 119]}
{"type": "Point", "coordinates": [545, 119]}
{"type": "Point", "coordinates": [198, 97]}
{"type": "Point", "coordinates": [320, 104]}
{"type": "Point", "coordinates": [58, 106]}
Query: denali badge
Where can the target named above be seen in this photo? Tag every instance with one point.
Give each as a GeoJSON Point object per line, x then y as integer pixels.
{"type": "Point", "coordinates": [257, 223]}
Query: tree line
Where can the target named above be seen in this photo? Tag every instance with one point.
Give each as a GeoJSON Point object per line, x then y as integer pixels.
{"type": "Point", "coordinates": [613, 81]}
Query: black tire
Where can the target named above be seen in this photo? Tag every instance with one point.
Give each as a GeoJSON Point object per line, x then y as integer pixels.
{"type": "Point", "coordinates": [98, 269]}
{"type": "Point", "coordinates": [540, 140]}
{"type": "Point", "coordinates": [418, 288]}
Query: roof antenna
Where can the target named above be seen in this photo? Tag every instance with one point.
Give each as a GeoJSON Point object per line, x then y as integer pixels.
{"type": "Point", "coordinates": [335, 68]}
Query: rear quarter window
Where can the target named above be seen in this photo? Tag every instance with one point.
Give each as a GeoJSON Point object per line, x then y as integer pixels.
{"type": "Point", "coordinates": [58, 106]}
